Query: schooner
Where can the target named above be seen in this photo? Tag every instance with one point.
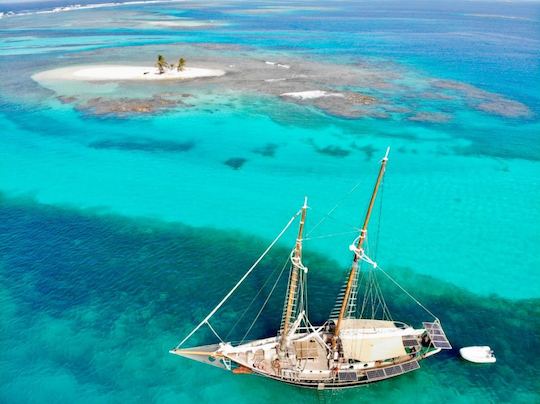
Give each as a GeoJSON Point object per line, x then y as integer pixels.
{"type": "Point", "coordinates": [352, 348]}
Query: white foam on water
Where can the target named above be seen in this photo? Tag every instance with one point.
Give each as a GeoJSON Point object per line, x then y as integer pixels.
{"type": "Point", "coordinates": [74, 7]}
{"type": "Point", "coordinates": [308, 95]}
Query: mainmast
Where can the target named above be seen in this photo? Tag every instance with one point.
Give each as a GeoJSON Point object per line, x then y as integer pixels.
{"type": "Point", "coordinates": [358, 251]}
{"type": "Point", "coordinates": [296, 267]}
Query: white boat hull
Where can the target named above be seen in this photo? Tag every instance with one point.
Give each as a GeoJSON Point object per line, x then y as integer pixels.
{"type": "Point", "coordinates": [478, 354]}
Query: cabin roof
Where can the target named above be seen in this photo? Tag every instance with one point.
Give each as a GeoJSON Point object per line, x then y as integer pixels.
{"type": "Point", "coordinates": [355, 323]}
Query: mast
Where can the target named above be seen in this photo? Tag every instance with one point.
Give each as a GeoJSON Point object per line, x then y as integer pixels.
{"type": "Point", "coordinates": [293, 281]}
{"type": "Point", "coordinates": [358, 251]}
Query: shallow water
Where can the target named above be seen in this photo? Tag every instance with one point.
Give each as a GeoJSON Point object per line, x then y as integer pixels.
{"type": "Point", "coordinates": [109, 223]}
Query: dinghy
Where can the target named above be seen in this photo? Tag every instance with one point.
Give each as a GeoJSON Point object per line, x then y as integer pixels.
{"type": "Point", "coordinates": [478, 354]}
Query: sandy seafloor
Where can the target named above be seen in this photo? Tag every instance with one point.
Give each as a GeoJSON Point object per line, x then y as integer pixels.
{"type": "Point", "coordinates": [128, 209]}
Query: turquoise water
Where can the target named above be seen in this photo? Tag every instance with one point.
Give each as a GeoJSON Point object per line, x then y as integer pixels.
{"type": "Point", "coordinates": [109, 223]}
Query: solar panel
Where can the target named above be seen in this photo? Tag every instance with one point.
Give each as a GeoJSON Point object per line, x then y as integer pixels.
{"type": "Point", "coordinates": [437, 336]}
{"type": "Point", "coordinates": [347, 376]}
{"type": "Point", "coordinates": [393, 370]}
{"type": "Point", "coordinates": [442, 345]}
{"type": "Point", "coordinates": [407, 367]}
{"type": "Point", "coordinates": [375, 374]}
{"type": "Point", "coordinates": [410, 342]}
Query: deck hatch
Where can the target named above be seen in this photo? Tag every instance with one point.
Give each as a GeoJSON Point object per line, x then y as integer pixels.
{"type": "Point", "coordinates": [306, 349]}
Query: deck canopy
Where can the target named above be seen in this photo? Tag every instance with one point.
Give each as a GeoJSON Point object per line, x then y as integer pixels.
{"type": "Point", "coordinates": [373, 348]}
{"type": "Point", "coordinates": [358, 323]}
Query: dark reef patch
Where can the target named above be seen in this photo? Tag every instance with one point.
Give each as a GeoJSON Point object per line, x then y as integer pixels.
{"type": "Point", "coordinates": [431, 117]}
{"type": "Point", "coordinates": [347, 105]}
{"type": "Point", "coordinates": [368, 150]}
{"type": "Point", "coordinates": [66, 99]}
{"type": "Point", "coordinates": [329, 150]}
{"type": "Point", "coordinates": [268, 150]}
{"type": "Point", "coordinates": [144, 144]}
{"type": "Point", "coordinates": [481, 100]}
{"type": "Point", "coordinates": [334, 151]}
{"type": "Point", "coordinates": [505, 108]}
{"type": "Point", "coordinates": [235, 163]}
{"type": "Point", "coordinates": [123, 107]}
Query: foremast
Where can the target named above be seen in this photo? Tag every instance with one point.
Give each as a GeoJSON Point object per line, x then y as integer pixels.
{"type": "Point", "coordinates": [358, 250]}
{"type": "Point", "coordinates": [291, 303]}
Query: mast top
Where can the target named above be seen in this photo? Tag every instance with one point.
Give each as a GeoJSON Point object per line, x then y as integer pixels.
{"type": "Point", "coordinates": [385, 158]}
{"type": "Point", "coordinates": [305, 203]}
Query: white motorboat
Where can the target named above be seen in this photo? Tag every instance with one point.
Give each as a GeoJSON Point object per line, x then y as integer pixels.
{"type": "Point", "coordinates": [478, 354]}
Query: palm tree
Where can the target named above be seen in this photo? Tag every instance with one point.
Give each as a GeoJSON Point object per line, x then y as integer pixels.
{"type": "Point", "coordinates": [181, 64]}
{"type": "Point", "coordinates": [161, 64]}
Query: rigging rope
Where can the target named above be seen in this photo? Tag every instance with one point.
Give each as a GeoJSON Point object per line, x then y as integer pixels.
{"type": "Point", "coordinates": [222, 302]}
{"type": "Point", "coordinates": [407, 293]}
{"type": "Point", "coordinates": [255, 298]}
{"type": "Point", "coordinates": [333, 209]}
{"type": "Point", "coordinates": [214, 331]}
{"type": "Point", "coordinates": [331, 235]}
{"type": "Point", "coordinates": [265, 302]}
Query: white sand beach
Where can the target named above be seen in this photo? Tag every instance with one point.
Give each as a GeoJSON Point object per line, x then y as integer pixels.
{"type": "Point", "coordinates": [308, 95]}
{"type": "Point", "coordinates": [123, 72]}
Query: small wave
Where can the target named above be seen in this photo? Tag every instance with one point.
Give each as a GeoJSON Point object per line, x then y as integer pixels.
{"type": "Point", "coordinates": [506, 17]}
{"type": "Point", "coordinates": [283, 66]}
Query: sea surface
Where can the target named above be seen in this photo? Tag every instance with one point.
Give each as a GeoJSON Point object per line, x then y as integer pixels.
{"type": "Point", "coordinates": [120, 230]}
